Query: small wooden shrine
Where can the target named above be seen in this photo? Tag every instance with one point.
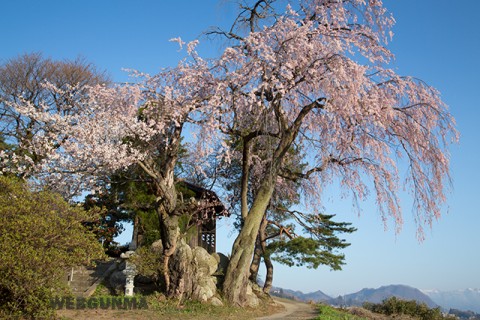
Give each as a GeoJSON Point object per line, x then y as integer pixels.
{"type": "Point", "coordinates": [208, 209]}
{"type": "Point", "coordinates": [204, 208]}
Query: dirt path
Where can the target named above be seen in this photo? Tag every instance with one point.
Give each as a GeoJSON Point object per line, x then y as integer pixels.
{"type": "Point", "coordinates": [293, 310]}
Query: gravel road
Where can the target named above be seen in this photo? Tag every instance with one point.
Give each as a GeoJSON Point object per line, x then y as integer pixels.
{"type": "Point", "coordinates": [293, 310]}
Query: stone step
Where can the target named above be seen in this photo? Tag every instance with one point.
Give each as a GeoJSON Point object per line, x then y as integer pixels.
{"type": "Point", "coordinates": [83, 281]}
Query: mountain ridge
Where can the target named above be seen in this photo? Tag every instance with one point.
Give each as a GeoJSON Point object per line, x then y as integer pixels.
{"type": "Point", "coordinates": [379, 294]}
{"type": "Point", "coordinates": [316, 296]}
{"type": "Point", "coordinates": [358, 298]}
{"type": "Point", "coordinates": [466, 299]}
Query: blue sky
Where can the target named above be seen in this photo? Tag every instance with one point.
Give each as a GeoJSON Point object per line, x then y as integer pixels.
{"type": "Point", "coordinates": [435, 40]}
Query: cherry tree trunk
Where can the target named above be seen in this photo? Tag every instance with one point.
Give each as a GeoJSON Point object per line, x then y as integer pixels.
{"type": "Point", "coordinates": [181, 274]}
{"type": "Point", "coordinates": [169, 233]}
{"type": "Point", "coordinates": [236, 278]}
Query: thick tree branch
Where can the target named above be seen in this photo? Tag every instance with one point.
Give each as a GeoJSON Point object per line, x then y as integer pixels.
{"type": "Point", "coordinates": [294, 176]}
{"type": "Point", "coordinates": [320, 103]}
{"type": "Point", "coordinates": [281, 230]}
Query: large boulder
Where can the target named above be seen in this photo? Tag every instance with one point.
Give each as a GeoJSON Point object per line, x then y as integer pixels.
{"type": "Point", "coordinates": [204, 288]}
{"type": "Point", "coordinates": [222, 263]}
{"type": "Point", "coordinates": [194, 273]}
{"type": "Point", "coordinates": [214, 301]}
{"type": "Point", "coordinates": [203, 262]}
{"type": "Point", "coordinates": [252, 299]}
{"type": "Point", "coordinates": [204, 266]}
{"type": "Point", "coordinates": [198, 268]}
{"type": "Point", "coordinates": [181, 270]}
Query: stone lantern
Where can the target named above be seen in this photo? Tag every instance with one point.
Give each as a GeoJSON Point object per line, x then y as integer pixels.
{"type": "Point", "coordinates": [130, 273]}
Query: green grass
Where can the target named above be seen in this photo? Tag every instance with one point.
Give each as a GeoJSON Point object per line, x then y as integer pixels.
{"type": "Point", "coordinates": [330, 313]}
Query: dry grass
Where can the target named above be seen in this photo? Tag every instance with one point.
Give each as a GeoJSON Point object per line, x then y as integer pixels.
{"type": "Point", "coordinates": [170, 310]}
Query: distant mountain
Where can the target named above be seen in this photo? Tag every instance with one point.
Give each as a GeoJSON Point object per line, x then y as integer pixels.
{"type": "Point", "coordinates": [468, 299]}
{"type": "Point", "coordinates": [317, 296]}
{"type": "Point", "coordinates": [382, 293]}
{"type": "Point", "coordinates": [464, 315]}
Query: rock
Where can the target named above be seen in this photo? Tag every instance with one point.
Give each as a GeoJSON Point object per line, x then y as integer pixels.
{"type": "Point", "coordinates": [216, 255]}
{"type": "Point", "coordinates": [157, 246]}
{"type": "Point", "coordinates": [252, 299]}
{"type": "Point", "coordinates": [204, 288]}
{"type": "Point", "coordinates": [192, 272]}
{"type": "Point", "coordinates": [127, 255]}
{"type": "Point", "coordinates": [205, 263]}
{"type": "Point", "coordinates": [181, 264]}
{"type": "Point", "coordinates": [209, 288]}
{"type": "Point", "coordinates": [214, 301]}
{"type": "Point", "coordinates": [222, 263]}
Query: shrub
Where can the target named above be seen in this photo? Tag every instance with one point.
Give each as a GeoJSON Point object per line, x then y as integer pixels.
{"type": "Point", "coordinates": [395, 306]}
{"type": "Point", "coordinates": [148, 262]}
{"type": "Point", "coordinates": [41, 236]}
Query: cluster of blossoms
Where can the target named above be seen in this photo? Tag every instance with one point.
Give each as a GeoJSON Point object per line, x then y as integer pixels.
{"type": "Point", "coordinates": [315, 78]}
